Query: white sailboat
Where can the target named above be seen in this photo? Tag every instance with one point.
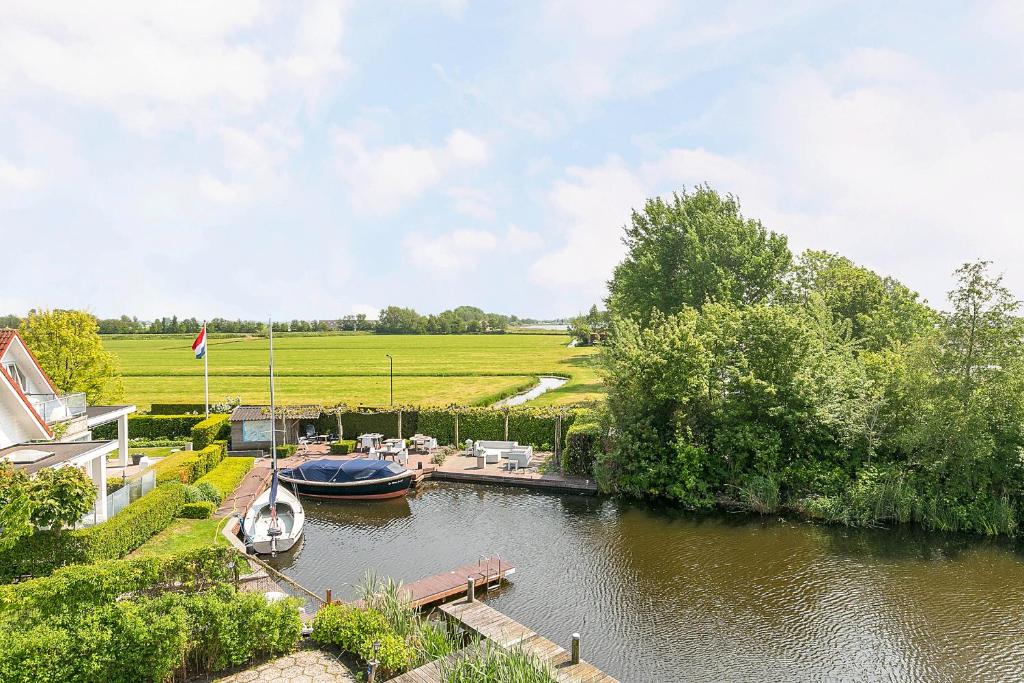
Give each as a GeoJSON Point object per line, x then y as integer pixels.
{"type": "Point", "coordinates": [275, 519]}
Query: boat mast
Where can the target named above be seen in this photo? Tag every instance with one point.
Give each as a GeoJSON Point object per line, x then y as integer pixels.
{"type": "Point", "coordinates": [274, 531]}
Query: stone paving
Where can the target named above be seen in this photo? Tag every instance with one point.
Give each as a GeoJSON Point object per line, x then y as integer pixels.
{"type": "Point", "coordinates": [304, 666]}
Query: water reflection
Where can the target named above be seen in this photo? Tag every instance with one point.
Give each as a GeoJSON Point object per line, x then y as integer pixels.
{"type": "Point", "coordinates": [661, 595]}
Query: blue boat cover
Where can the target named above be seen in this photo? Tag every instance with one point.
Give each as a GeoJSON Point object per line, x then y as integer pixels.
{"type": "Point", "coordinates": [336, 471]}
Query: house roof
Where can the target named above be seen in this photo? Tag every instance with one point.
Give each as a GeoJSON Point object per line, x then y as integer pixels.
{"type": "Point", "coordinates": [247, 413]}
{"type": "Point", "coordinates": [6, 337]}
{"type": "Point", "coordinates": [50, 454]}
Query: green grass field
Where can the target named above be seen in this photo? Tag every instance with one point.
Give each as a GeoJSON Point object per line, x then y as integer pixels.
{"type": "Point", "coordinates": [353, 369]}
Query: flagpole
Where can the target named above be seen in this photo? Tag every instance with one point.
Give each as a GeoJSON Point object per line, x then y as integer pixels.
{"type": "Point", "coordinates": [273, 419]}
{"type": "Point", "coordinates": [206, 369]}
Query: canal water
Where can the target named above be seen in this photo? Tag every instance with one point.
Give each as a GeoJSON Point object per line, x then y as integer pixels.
{"type": "Point", "coordinates": [662, 595]}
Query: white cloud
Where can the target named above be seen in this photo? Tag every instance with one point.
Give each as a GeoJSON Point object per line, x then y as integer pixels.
{"type": "Point", "coordinates": [371, 312]}
{"type": "Point", "coordinates": [382, 179]}
{"type": "Point", "coordinates": [18, 178]}
{"type": "Point", "coordinates": [220, 191]}
{"type": "Point", "coordinates": [472, 202]}
{"type": "Point", "coordinates": [446, 254]}
{"type": "Point", "coordinates": [907, 177]}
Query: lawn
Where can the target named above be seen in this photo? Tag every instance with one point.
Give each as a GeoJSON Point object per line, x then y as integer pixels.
{"type": "Point", "coordinates": [353, 369]}
{"type": "Point", "coordinates": [183, 535]}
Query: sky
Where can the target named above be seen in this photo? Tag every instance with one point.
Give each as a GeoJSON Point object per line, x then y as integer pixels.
{"type": "Point", "coordinates": [318, 159]}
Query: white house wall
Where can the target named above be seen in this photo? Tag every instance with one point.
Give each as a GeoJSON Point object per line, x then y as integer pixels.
{"type": "Point", "coordinates": [17, 425]}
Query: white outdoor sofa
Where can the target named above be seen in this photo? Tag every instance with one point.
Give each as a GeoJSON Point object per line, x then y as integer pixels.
{"type": "Point", "coordinates": [520, 457]}
{"type": "Point", "coordinates": [494, 451]}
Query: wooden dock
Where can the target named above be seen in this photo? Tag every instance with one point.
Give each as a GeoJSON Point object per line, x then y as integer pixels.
{"type": "Point", "coordinates": [492, 625]}
{"type": "Point", "coordinates": [433, 590]}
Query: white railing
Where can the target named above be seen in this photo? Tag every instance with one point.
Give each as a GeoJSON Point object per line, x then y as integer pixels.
{"type": "Point", "coordinates": [53, 408]}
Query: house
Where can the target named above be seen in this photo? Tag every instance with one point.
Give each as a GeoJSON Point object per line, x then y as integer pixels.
{"type": "Point", "coordinates": [250, 425]}
{"type": "Point", "coordinates": [41, 428]}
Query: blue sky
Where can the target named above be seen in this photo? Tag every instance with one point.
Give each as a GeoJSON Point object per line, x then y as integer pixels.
{"type": "Point", "coordinates": [246, 159]}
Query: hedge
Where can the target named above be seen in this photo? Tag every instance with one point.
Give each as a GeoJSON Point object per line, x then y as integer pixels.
{"type": "Point", "coordinates": [529, 426]}
{"type": "Point", "coordinates": [226, 476]}
{"type": "Point", "coordinates": [582, 442]}
{"type": "Point", "coordinates": [385, 422]}
{"type": "Point", "coordinates": [175, 636]}
{"type": "Point", "coordinates": [83, 586]}
{"type": "Point", "coordinates": [200, 510]}
{"type": "Point", "coordinates": [209, 430]}
{"type": "Point", "coordinates": [177, 408]}
{"type": "Point", "coordinates": [43, 552]}
{"type": "Point", "coordinates": [152, 427]}
{"type": "Point", "coordinates": [343, 447]}
{"type": "Point", "coordinates": [286, 450]}
{"type": "Point", "coordinates": [188, 466]}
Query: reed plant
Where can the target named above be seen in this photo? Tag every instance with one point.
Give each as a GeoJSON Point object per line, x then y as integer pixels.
{"type": "Point", "coordinates": [487, 663]}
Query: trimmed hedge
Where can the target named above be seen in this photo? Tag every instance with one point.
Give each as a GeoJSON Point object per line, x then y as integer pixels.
{"type": "Point", "coordinates": [83, 586]}
{"type": "Point", "coordinates": [226, 476]}
{"type": "Point", "coordinates": [529, 426]}
{"type": "Point", "coordinates": [177, 408]}
{"type": "Point", "coordinates": [43, 552]}
{"type": "Point", "coordinates": [152, 427]}
{"type": "Point", "coordinates": [356, 629]}
{"type": "Point", "coordinates": [188, 466]}
{"type": "Point", "coordinates": [200, 510]}
{"type": "Point", "coordinates": [343, 447]}
{"type": "Point", "coordinates": [175, 636]}
{"type": "Point", "coordinates": [214, 428]}
{"type": "Point", "coordinates": [582, 443]}
{"type": "Point", "coordinates": [286, 450]}
{"type": "Point", "coordinates": [384, 422]}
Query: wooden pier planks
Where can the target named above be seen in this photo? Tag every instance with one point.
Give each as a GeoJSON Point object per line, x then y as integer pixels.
{"type": "Point", "coordinates": [503, 630]}
{"type": "Point", "coordinates": [440, 587]}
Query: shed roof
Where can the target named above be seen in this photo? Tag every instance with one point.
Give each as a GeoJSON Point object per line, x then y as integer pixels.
{"type": "Point", "coordinates": [304, 412]}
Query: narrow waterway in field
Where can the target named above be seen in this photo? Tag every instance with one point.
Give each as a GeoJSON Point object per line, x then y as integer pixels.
{"type": "Point", "coordinates": [544, 383]}
{"type": "Point", "coordinates": [662, 595]}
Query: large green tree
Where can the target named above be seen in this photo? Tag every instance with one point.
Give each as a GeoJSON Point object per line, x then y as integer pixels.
{"type": "Point", "coordinates": [881, 310]}
{"type": "Point", "coordinates": [15, 506]}
{"type": "Point", "coordinates": [68, 347]}
{"type": "Point", "coordinates": [60, 497]}
{"type": "Point", "coordinates": [695, 248]}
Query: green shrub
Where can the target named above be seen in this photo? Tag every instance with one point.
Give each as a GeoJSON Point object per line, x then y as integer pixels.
{"type": "Point", "coordinates": [202, 491]}
{"type": "Point", "coordinates": [177, 409]}
{"type": "Point", "coordinates": [760, 494]}
{"type": "Point", "coordinates": [286, 450]}
{"type": "Point", "coordinates": [209, 430]}
{"type": "Point", "coordinates": [114, 483]}
{"type": "Point", "coordinates": [152, 639]}
{"type": "Point", "coordinates": [83, 586]}
{"type": "Point", "coordinates": [152, 427]}
{"type": "Point", "coordinates": [358, 422]}
{"type": "Point", "coordinates": [582, 444]}
{"type": "Point", "coordinates": [354, 630]}
{"type": "Point", "coordinates": [188, 466]}
{"type": "Point", "coordinates": [42, 552]}
{"type": "Point", "coordinates": [201, 510]}
{"type": "Point", "coordinates": [226, 476]}
{"type": "Point", "coordinates": [343, 447]}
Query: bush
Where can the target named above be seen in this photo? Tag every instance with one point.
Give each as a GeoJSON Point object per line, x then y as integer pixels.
{"type": "Point", "coordinates": [115, 483]}
{"type": "Point", "coordinates": [177, 409]}
{"type": "Point", "coordinates": [152, 427]}
{"type": "Point", "coordinates": [209, 430]}
{"type": "Point", "coordinates": [84, 586]}
{"type": "Point", "coordinates": [45, 551]}
{"type": "Point", "coordinates": [343, 447]}
{"type": "Point", "coordinates": [201, 510]}
{"type": "Point", "coordinates": [152, 639]}
{"type": "Point", "coordinates": [203, 491]}
{"type": "Point", "coordinates": [354, 630]}
{"type": "Point", "coordinates": [354, 423]}
{"type": "Point", "coordinates": [287, 449]}
{"type": "Point", "coordinates": [225, 477]}
{"type": "Point", "coordinates": [188, 466]}
{"type": "Point", "coordinates": [582, 444]}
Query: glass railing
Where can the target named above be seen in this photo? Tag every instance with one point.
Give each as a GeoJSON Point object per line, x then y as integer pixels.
{"type": "Point", "coordinates": [130, 492]}
{"type": "Point", "coordinates": [53, 408]}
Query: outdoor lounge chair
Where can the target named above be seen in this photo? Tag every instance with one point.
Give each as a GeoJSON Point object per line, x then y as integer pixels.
{"type": "Point", "coordinates": [519, 458]}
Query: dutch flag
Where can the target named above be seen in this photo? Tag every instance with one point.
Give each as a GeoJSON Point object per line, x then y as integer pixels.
{"type": "Point", "coordinates": [199, 345]}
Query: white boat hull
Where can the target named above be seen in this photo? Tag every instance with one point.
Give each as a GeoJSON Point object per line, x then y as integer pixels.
{"type": "Point", "coordinates": [290, 520]}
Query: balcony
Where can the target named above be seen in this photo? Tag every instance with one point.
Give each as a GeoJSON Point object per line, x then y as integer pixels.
{"type": "Point", "coordinates": [54, 409]}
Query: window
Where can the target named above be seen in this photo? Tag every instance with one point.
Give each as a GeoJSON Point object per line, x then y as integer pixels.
{"type": "Point", "coordinates": [16, 375]}
{"type": "Point", "coordinates": [256, 430]}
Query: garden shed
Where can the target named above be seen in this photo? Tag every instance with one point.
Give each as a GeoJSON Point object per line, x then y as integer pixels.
{"type": "Point", "coordinates": [250, 425]}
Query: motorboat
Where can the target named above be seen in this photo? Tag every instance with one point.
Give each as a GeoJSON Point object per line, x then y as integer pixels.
{"type": "Point", "coordinates": [358, 479]}
{"type": "Point", "coordinates": [274, 521]}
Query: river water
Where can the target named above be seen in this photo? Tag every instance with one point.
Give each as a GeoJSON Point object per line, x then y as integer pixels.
{"type": "Point", "coordinates": [544, 383]}
{"type": "Point", "coordinates": [662, 595]}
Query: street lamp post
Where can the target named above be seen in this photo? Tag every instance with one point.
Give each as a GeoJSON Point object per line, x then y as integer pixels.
{"type": "Point", "coordinates": [392, 377]}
